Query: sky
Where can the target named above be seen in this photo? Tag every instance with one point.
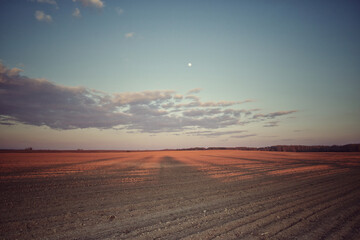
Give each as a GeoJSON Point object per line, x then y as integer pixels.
{"type": "Point", "coordinates": [101, 74]}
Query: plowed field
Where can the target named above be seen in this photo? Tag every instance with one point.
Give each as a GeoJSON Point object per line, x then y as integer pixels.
{"type": "Point", "coordinates": [180, 194]}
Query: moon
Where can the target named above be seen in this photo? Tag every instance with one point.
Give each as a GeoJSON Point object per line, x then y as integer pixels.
{"type": "Point", "coordinates": [189, 64]}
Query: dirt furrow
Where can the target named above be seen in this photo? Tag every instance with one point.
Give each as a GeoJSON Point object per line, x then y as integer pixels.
{"type": "Point", "coordinates": [174, 194]}
{"type": "Point", "coordinates": [271, 212]}
{"type": "Point", "coordinates": [229, 203]}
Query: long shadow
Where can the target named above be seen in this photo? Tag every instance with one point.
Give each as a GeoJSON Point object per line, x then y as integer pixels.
{"type": "Point", "coordinates": [181, 194]}
{"type": "Point", "coordinates": [180, 191]}
{"type": "Point", "coordinates": [188, 193]}
{"type": "Point", "coordinates": [173, 171]}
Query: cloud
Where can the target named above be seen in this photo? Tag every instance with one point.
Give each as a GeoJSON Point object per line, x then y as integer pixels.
{"type": "Point", "coordinates": [237, 112]}
{"type": "Point", "coordinates": [214, 133]}
{"type": "Point", "coordinates": [42, 17]}
{"type": "Point", "coordinates": [7, 123]}
{"type": "Point", "coordinates": [167, 105]}
{"type": "Point", "coordinates": [194, 98]}
{"type": "Point", "coordinates": [202, 112]}
{"type": "Point", "coordinates": [197, 103]}
{"type": "Point", "coordinates": [52, 2]}
{"type": "Point", "coordinates": [273, 114]}
{"type": "Point", "coordinates": [146, 110]}
{"type": "Point", "coordinates": [178, 96]}
{"type": "Point", "coordinates": [91, 3]}
{"type": "Point", "coordinates": [272, 124]}
{"type": "Point", "coordinates": [193, 91]}
{"type": "Point", "coordinates": [76, 13]}
{"type": "Point", "coordinates": [10, 72]}
{"type": "Point", "coordinates": [144, 97]}
{"type": "Point", "coordinates": [129, 35]}
{"type": "Point", "coordinates": [40, 102]}
{"type": "Point", "coordinates": [119, 11]}
{"type": "Point", "coordinates": [172, 123]}
{"type": "Point", "coordinates": [244, 136]}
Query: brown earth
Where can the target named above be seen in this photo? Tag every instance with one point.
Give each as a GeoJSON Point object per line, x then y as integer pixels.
{"type": "Point", "coordinates": [180, 194]}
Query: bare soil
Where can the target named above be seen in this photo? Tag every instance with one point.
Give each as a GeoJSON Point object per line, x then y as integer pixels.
{"type": "Point", "coordinates": [180, 194]}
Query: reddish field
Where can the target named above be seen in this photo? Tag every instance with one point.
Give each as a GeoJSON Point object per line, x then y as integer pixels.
{"type": "Point", "coordinates": [180, 194]}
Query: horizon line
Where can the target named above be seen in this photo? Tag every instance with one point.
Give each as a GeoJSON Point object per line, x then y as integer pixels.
{"type": "Point", "coordinates": [263, 148]}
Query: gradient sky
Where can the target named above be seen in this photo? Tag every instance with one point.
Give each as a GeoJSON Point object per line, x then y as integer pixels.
{"type": "Point", "coordinates": [97, 74]}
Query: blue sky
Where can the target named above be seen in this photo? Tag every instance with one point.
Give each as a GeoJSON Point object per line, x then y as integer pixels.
{"type": "Point", "coordinates": [266, 73]}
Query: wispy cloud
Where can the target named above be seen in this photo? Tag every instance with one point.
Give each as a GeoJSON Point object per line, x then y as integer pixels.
{"type": "Point", "coordinates": [197, 103]}
{"type": "Point", "coordinates": [129, 35]}
{"type": "Point", "coordinates": [119, 11]}
{"type": "Point", "coordinates": [202, 112]}
{"type": "Point", "coordinates": [42, 17]}
{"type": "Point", "coordinates": [244, 136]}
{"type": "Point", "coordinates": [91, 3]}
{"type": "Point", "coordinates": [76, 13]}
{"type": "Point", "coordinates": [144, 97]}
{"type": "Point", "coordinates": [273, 114]}
{"type": "Point", "coordinates": [214, 133]}
{"type": "Point", "coordinates": [193, 91]}
{"type": "Point", "coordinates": [272, 124]}
{"type": "Point", "coordinates": [193, 97]}
{"type": "Point", "coordinates": [40, 102]}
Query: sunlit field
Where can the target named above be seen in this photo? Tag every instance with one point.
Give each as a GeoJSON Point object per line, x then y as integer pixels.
{"type": "Point", "coordinates": [180, 194]}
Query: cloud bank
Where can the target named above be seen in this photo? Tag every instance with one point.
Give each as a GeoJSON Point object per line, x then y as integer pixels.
{"type": "Point", "coordinates": [40, 102]}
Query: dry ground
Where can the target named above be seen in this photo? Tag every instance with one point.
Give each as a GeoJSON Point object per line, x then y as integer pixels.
{"type": "Point", "coordinates": [171, 195]}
